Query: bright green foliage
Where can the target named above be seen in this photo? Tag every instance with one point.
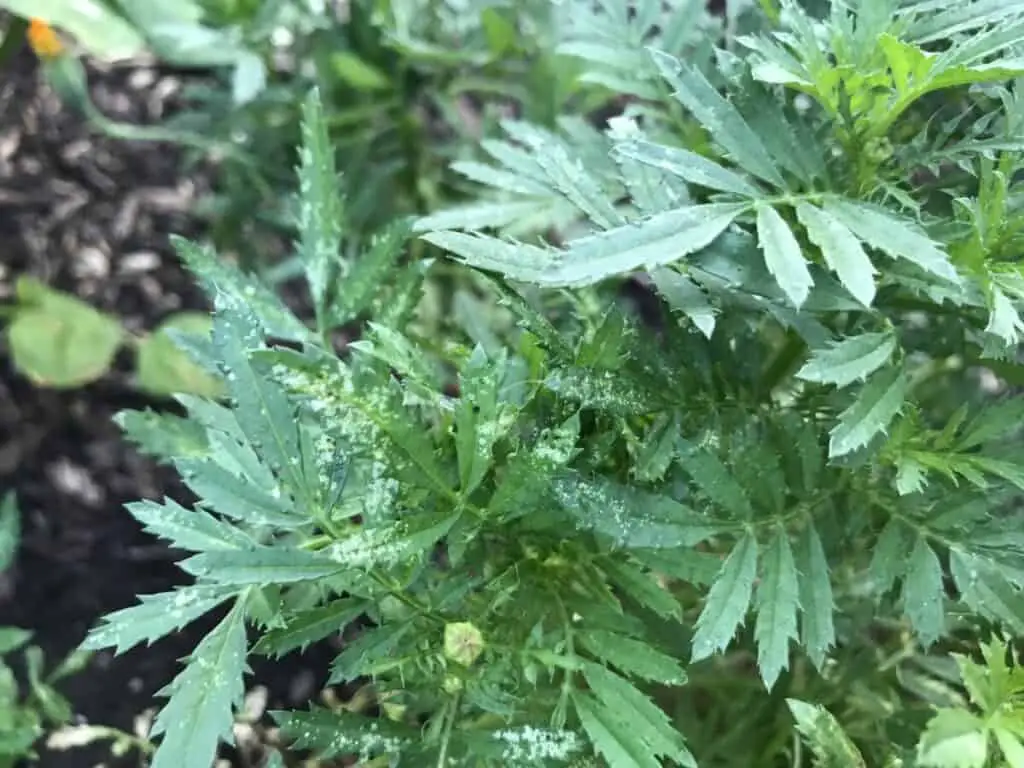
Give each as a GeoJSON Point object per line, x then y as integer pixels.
{"type": "Point", "coordinates": [60, 341]}
{"type": "Point", "coordinates": [560, 532]}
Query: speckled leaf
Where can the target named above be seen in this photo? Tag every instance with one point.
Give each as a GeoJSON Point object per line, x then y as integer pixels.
{"type": "Point", "coordinates": [841, 250]}
{"type": "Point", "coordinates": [320, 206]}
{"type": "Point", "coordinates": [777, 603]}
{"type": "Point", "coordinates": [782, 255]}
{"type": "Point", "coordinates": [848, 360]}
{"type": "Point", "coordinates": [923, 593]}
{"type": "Point", "coordinates": [264, 412]}
{"type": "Point", "coordinates": [876, 405]}
{"type": "Point", "coordinates": [889, 234]}
{"type": "Point", "coordinates": [156, 616]}
{"type": "Point", "coordinates": [192, 529]}
{"type": "Point", "coordinates": [262, 565]}
{"type": "Point", "coordinates": [817, 629]}
{"type": "Point", "coordinates": [305, 627]}
{"type": "Point", "coordinates": [218, 275]}
{"type": "Point", "coordinates": [200, 711]}
{"type": "Point", "coordinates": [333, 733]}
{"type": "Point", "coordinates": [728, 600]}
{"type": "Point", "coordinates": [630, 517]}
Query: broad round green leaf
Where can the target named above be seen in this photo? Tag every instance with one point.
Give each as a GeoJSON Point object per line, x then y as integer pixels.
{"type": "Point", "coordinates": [164, 369]}
{"type": "Point", "coordinates": [59, 341]}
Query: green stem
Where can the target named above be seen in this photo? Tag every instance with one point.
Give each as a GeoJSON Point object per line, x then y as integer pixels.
{"type": "Point", "coordinates": [446, 737]}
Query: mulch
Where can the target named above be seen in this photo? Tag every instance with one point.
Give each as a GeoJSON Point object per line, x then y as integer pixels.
{"type": "Point", "coordinates": [93, 217]}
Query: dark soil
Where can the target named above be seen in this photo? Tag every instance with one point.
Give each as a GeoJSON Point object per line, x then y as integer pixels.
{"type": "Point", "coordinates": [93, 216]}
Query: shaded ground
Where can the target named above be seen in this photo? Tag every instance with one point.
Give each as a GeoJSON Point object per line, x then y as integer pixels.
{"type": "Point", "coordinates": [92, 216]}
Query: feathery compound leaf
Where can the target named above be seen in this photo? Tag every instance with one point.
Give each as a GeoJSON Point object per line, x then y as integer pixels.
{"type": "Point", "coordinates": [306, 627]}
{"type": "Point", "coordinates": [693, 168]}
{"type": "Point", "coordinates": [653, 242]}
{"type": "Point", "coordinates": [684, 295]}
{"type": "Point", "coordinates": [817, 631]}
{"type": "Point", "coordinates": [831, 746]}
{"type": "Point", "coordinates": [320, 208]}
{"type": "Point", "coordinates": [609, 735]}
{"type": "Point", "coordinates": [632, 657]}
{"type": "Point", "coordinates": [260, 565]}
{"type": "Point", "coordinates": [923, 593]}
{"type": "Point", "coordinates": [721, 119]}
{"type": "Point", "coordinates": [156, 616]}
{"type": "Point", "coordinates": [630, 517]}
{"type": "Point", "coordinates": [850, 359]}
{"type": "Point", "coordinates": [714, 480]}
{"type": "Point", "coordinates": [266, 416]}
{"type": "Point", "coordinates": [199, 712]}
{"type": "Point", "coordinates": [876, 405]}
{"type": "Point", "coordinates": [985, 590]}
{"type": "Point", "coordinates": [841, 250]}
{"type": "Point", "coordinates": [217, 275]}
{"type": "Point", "coordinates": [728, 600]}
{"type": "Point", "coordinates": [162, 435]}
{"type": "Point", "coordinates": [777, 602]}
{"type": "Point", "coordinates": [333, 733]}
{"type": "Point", "coordinates": [642, 718]}
{"type": "Point", "coordinates": [191, 529]}
{"type": "Point", "coordinates": [782, 255]}
{"type": "Point", "coordinates": [880, 229]}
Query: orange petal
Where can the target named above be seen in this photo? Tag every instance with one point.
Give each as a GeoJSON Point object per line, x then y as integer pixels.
{"type": "Point", "coordinates": [43, 39]}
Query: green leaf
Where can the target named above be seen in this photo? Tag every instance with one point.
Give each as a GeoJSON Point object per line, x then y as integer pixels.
{"type": "Point", "coordinates": [267, 417]}
{"type": "Point", "coordinates": [164, 369]}
{"type": "Point", "coordinates": [155, 616]}
{"type": "Point", "coordinates": [10, 530]}
{"type": "Point", "coordinates": [714, 480]}
{"type": "Point", "coordinates": [841, 250]}
{"type": "Point", "coordinates": [924, 593]}
{"type": "Point", "coordinates": [364, 278]}
{"type": "Point", "coordinates": [693, 168]}
{"type": "Point", "coordinates": [684, 295]}
{"type": "Point", "coordinates": [728, 600]}
{"type": "Point", "coordinates": [718, 115]}
{"type": "Point", "coordinates": [162, 435]}
{"type": "Point", "coordinates": [57, 340]}
{"type": "Point", "coordinates": [987, 591]}
{"type": "Point", "coordinates": [358, 73]}
{"type": "Point", "coordinates": [782, 255]}
{"type": "Point", "coordinates": [334, 733]}
{"type": "Point", "coordinates": [900, 239]}
{"type": "Point", "coordinates": [643, 719]}
{"type": "Point", "coordinates": [817, 631]}
{"type": "Point", "coordinates": [611, 738]}
{"type": "Point", "coordinates": [632, 657]}
{"type": "Point", "coordinates": [320, 206]}
{"type": "Point", "coordinates": [199, 713]}
{"type": "Point", "coordinates": [191, 529]}
{"type": "Point", "coordinates": [371, 649]}
{"type": "Point", "coordinates": [889, 559]}
{"type": "Point", "coordinates": [831, 746]}
{"type": "Point", "coordinates": [876, 405]}
{"type": "Point", "coordinates": [659, 240]}
{"type": "Point", "coordinates": [106, 35]}
{"type": "Point", "coordinates": [305, 627]}
{"type": "Point", "coordinates": [777, 602]}
{"type": "Point", "coordinates": [954, 738]}
{"type": "Point", "coordinates": [850, 359]}
{"type": "Point", "coordinates": [629, 516]}
{"type": "Point", "coordinates": [219, 277]}
{"type": "Point", "coordinates": [642, 587]}
{"type": "Point", "coordinates": [262, 565]}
